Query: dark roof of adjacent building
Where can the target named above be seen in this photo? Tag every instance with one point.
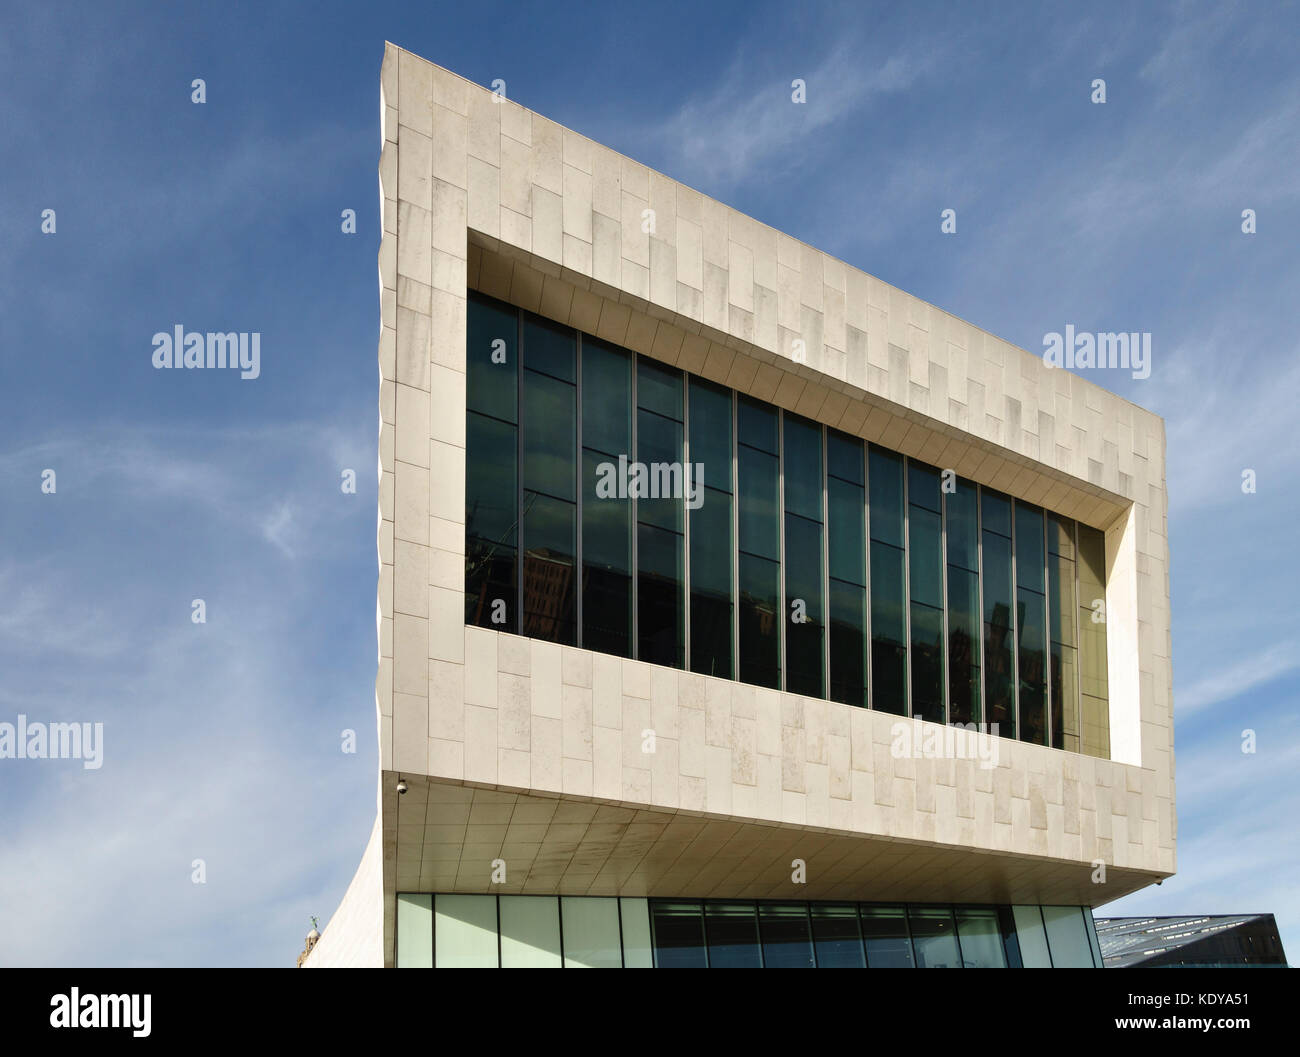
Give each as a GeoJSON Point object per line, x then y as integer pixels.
{"type": "Point", "coordinates": [1201, 940]}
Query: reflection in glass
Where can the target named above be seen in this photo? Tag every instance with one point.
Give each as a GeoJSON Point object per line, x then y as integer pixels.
{"type": "Point", "coordinates": [678, 935]}
{"type": "Point", "coordinates": [787, 942]}
{"type": "Point", "coordinates": [934, 938]}
{"type": "Point", "coordinates": [838, 936]}
{"type": "Point", "coordinates": [733, 936]}
{"type": "Point", "coordinates": [884, 931]}
{"type": "Point", "coordinates": [888, 591]}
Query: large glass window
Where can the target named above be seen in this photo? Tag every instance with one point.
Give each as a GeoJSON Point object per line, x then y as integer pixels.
{"type": "Point", "coordinates": [677, 931]}
{"type": "Point", "coordinates": [787, 939]}
{"type": "Point", "coordinates": [837, 936]}
{"type": "Point", "coordinates": [549, 506]}
{"type": "Point", "coordinates": [591, 932]}
{"type": "Point", "coordinates": [805, 623]}
{"type": "Point", "coordinates": [618, 504]}
{"type": "Point", "coordinates": [660, 508]}
{"type": "Point", "coordinates": [925, 567]}
{"type": "Point", "coordinates": [491, 446]}
{"type": "Point", "coordinates": [465, 931]}
{"type": "Point", "coordinates": [888, 942]}
{"type": "Point", "coordinates": [1061, 607]}
{"type": "Point", "coordinates": [605, 932]}
{"type": "Point", "coordinates": [732, 930]}
{"type": "Point", "coordinates": [888, 582]}
{"type": "Point", "coordinates": [758, 492]}
{"type": "Point", "coordinates": [961, 511]}
{"type": "Point", "coordinates": [846, 535]}
{"type": "Point", "coordinates": [530, 932]}
{"type": "Point", "coordinates": [712, 538]}
{"type": "Point", "coordinates": [606, 510]}
{"type": "Point", "coordinates": [1031, 623]}
{"type": "Point", "coordinates": [980, 935]}
{"type": "Point", "coordinates": [999, 617]}
{"type": "Point", "coordinates": [934, 938]}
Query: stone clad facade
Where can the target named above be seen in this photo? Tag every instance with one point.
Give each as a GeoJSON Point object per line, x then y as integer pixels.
{"type": "Point", "coordinates": [529, 751]}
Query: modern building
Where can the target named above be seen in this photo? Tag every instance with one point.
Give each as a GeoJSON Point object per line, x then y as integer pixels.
{"type": "Point", "coordinates": [1232, 941]}
{"type": "Point", "coordinates": [735, 608]}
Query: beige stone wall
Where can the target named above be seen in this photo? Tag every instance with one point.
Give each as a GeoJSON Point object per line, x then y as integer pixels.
{"type": "Point", "coordinates": [479, 192]}
{"type": "Point", "coordinates": [353, 939]}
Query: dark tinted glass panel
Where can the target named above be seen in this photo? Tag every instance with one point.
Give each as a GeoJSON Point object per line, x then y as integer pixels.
{"type": "Point", "coordinates": [678, 935]}
{"type": "Point", "coordinates": [1029, 547]}
{"type": "Point", "coordinates": [1060, 536]}
{"type": "Point", "coordinates": [491, 448]}
{"type": "Point", "coordinates": [1062, 610]}
{"type": "Point", "coordinates": [996, 512]}
{"type": "Point", "coordinates": [733, 936]}
{"type": "Point", "coordinates": [848, 633]}
{"type": "Point", "coordinates": [757, 425]}
{"type": "Point", "coordinates": [711, 433]}
{"type": "Point", "coordinates": [760, 526]}
{"type": "Point", "coordinates": [1032, 653]}
{"type": "Point", "coordinates": [607, 567]}
{"type": "Point", "coordinates": [659, 389]}
{"type": "Point", "coordinates": [885, 487]}
{"type": "Point", "coordinates": [606, 398]}
{"type": "Point", "coordinates": [549, 437]}
{"type": "Point", "coordinates": [847, 528]}
{"type": "Point", "coordinates": [888, 630]}
{"type": "Point", "coordinates": [963, 646]}
{"type": "Point", "coordinates": [491, 359]}
{"type": "Point", "coordinates": [803, 600]}
{"type": "Point", "coordinates": [803, 468]}
{"type": "Point", "coordinates": [660, 596]}
{"type": "Point", "coordinates": [490, 585]}
{"type": "Point", "coordinates": [934, 938]}
{"type": "Point", "coordinates": [981, 939]}
{"type": "Point", "coordinates": [787, 941]}
{"type": "Point", "coordinates": [549, 347]}
{"type": "Point", "coordinates": [923, 486]}
{"type": "Point", "coordinates": [711, 604]}
{"type": "Point", "coordinates": [927, 662]}
{"type": "Point", "coordinates": [1065, 699]}
{"type": "Point", "coordinates": [549, 546]}
{"type": "Point", "coordinates": [490, 499]}
{"type": "Point", "coordinates": [837, 936]}
{"type": "Point", "coordinates": [661, 497]}
{"type": "Point", "coordinates": [760, 651]}
{"type": "Point", "coordinates": [999, 643]}
{"type": "Point", "coordinates": [963, 527]}
{"type": "Point", "coordinates": [884, 929]}
{"type": "Point", "coordinates": [926, 557]}
{"type": "Point", "coordinates": [844, 457]}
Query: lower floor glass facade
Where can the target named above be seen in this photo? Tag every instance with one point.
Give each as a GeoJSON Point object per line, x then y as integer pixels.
{"type": "Point", "coordinates": [598, 932]}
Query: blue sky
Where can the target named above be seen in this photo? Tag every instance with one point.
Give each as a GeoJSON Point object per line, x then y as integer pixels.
{"type": "Point", "coordinates": [222, 740]}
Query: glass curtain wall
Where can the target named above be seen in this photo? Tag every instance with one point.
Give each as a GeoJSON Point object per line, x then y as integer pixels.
{"type": "Point", "coordinates": [491, 447]}
{"type": "Point", "coordinates": [618, 504]}
{"type": "Point", "coordinates": [846, 504]}
{"type": "Point", "coordinates": [660, 510]}
{"type": "Point", "coordinates": [804, 593]}
{"type": "Point", "coordinates": [712, 535]}
{"type": "Point", "coordinates": [759, 541]}
{"type": "Point", "coordinates": [888, 582]}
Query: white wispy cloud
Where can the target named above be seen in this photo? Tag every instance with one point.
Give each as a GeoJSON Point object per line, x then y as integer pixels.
{"type": "Point", "coordinates": [747, 122]}
{"type": "Point", "coordinates": [1238, 679]}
